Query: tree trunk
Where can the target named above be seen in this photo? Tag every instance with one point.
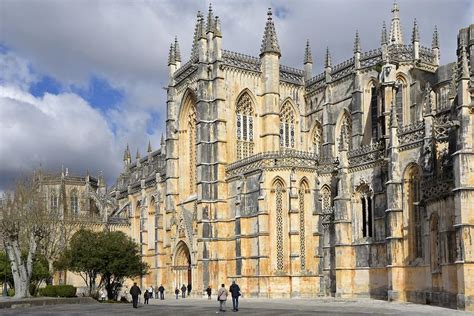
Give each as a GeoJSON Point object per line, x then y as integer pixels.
{"type": "Point", "coordinates": [19, 269]}
{"type": "Point", "coordinates": [50, 280]}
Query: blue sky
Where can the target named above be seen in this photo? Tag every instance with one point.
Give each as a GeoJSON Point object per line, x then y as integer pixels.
{"type": "Point", "coordinates": [81, 79]}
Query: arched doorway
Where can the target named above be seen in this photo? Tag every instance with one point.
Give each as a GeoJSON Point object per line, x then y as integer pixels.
{"type": "Point", "coordinates": [182, 265]}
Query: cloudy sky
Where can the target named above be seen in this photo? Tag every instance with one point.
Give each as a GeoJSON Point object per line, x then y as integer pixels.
{"type": "Point", "coordinates": [79, 79]}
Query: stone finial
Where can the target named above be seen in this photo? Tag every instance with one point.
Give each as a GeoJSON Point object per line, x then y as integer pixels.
{"type": "Point", "coordinates": [395, 28]}
{"type": "Point", "coordinates": [308, 57]}
{"type": "Point", "coordinates": [357, 43]}
{"type": "Point", "coordinates": [149, 147]}
{"type": "Point", "coordinates": [177, 51]}
{"type": "Point", "coordinates": [126, 154]}
{"type": "Point", "coordinates": [210, 20]}
{"type": "Point", "coordinates": [327, 61]}
{"type": "Point", "coordinates": [171, 56]}
{"type": "Point", "coordinates": [270, 40]}
{"type": "Point", "coordinates": [384, 38]}
{"type": "Point", "coordinates": [415, 35]}
{"type": "Point", "coordinates": [202, 29]}
{"type": "Point", "coordinates": [162, 141]}
{"type": "Point", "coordinates": [217, 27]}
{"type": "Point", "coordinates": [435, 42]}
{"type": "Point", "coordinates": [138, 155]}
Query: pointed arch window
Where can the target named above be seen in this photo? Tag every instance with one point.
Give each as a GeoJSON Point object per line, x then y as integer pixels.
{"type": "Point", "coordinates": [374, 116]}
{"type": "Point", "coordinates": [415, 211]}
{"type": "Point", "coordinates": [245, 123]}
{"type": "Point", "coordinates": [74, 202]}
{"type": "Point", "coordinates": [364, 215]}
{"type": "Point", "coordinates": [287, 126]}
{"type": "Point", "coordinates": [303, 191]}
{"type": "Point", "coordinates": [317, 139]}
{"type": "Point", "coordinates": [278, 190]}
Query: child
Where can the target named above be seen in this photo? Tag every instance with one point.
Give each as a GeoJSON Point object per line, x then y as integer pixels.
{"type": "Point", "coordinates": [146, 296]}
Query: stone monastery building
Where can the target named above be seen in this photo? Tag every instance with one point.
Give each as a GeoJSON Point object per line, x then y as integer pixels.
{"type": "Point", "coordinates": [358, 181]}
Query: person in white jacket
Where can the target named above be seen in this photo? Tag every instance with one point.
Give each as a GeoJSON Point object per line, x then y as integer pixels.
{"type": "Point", "coordinates": [222, 297]}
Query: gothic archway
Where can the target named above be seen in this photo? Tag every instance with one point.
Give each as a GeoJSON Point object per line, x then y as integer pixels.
{"type": "Point", "coordinates": [182, 264]}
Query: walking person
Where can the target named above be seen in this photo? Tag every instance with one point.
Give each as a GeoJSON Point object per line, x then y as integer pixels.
{"type": "Point", "coordinates": [150, 291]}
{"type": "Point", "coordinates": [183, 291]}
{"type": "Point", "coordinates": [176, 291]}
{"type": "Point", "coordinates": [189, 289]}
{"type": "Point", "coordinates": [146, 296]}
{"type": "Point", "coordinates": [209, 292]}
{"type": "Point", "coordinates": [135, 292]}
{"type": "Point", "coordinates": [161, 289]}
{"type": "Point", "coordinates": [222, 297]}
{"type": "Point", "coordinates": [235, 292]}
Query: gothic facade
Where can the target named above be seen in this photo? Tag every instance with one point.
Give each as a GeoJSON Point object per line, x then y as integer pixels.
{"type": "Point", "coordinates": [355, 182]}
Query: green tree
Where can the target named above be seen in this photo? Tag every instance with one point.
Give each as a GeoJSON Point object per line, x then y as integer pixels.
{"type": "Point", "coordinates": [5, 270]}
{"type": "Point", "coordinates": [121, 259]}
{"type": "Point", "coordinates": [111, 255]}
{"type": "Point", "coordinates": [83, 256]}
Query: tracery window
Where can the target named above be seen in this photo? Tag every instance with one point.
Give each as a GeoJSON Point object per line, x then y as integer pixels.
{"type": "Point", "coordinates": [374, 114]}
{"type": "Point", "coordinates": [326, 198]}
{"type": "Point", "coordinates": [287, 126]}
{"type": "Point", "coordinates": [399, 101]}
{"type": "Point", "coordinates": [279, 223]}
{"type": "Point", "coordinates": [412, 182]}
{"type": "Point", "coordinates": [245, 113]}
{"type": "Point", "coordinates": [317, 139]}
{"type": "Point", "coordinates": [365, 218]}
{"type": "Point", "coordinates": [54, 200]}
{"type": "Point", "coordinates": [346, 132]}
{"type": "Point", "coordinates": [191, 129]}
{"type": "Point", "coordinates": [74, 202]}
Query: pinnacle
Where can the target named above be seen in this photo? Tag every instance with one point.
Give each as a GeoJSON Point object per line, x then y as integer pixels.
{"type": "Point", "coordinates": [217, 27]}
{"type": "Point", "coordinates": [171, 56]}
{"type": "Point", "coordinates": [177, 51]}
{"type": "Point", "coordinates": [194, 49]}
{"type": "Point", "coordinates": [210, 20]}
{"type": "Point", "coordinates": [270, 40]}
{"type": "Point", "coordinates": [384, 39]}
{"type": "Point", "coordinates": [327, 62]}
{"type": "Point", "coordinates": [357, 43]}
{"type": "Point", "coordinates": [308, 57]}
{"type": "Point", "coordinates": [149, 147]}
{"type": "Point", "coordinates": [435, 43]}
{"type": "Point", "coordinates": [395, 28]}
{"type": "Point", "coordinates": [415, 36]}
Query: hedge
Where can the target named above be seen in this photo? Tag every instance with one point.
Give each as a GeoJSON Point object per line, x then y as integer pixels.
{"type": "Point", "coordinates": [58, 291]}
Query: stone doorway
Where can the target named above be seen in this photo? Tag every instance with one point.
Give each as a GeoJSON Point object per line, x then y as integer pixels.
{"type": "Point", "coordinates": [182, 265]}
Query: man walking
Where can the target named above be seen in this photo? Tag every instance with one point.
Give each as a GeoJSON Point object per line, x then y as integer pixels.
{"type": "Point", "coordinates": [222, 297]}
{"type": "Point", "coordinates": [235, 292]}
{"type": "Point", "coordinates": [135, 292]}
{"type": "Point", "coordinates": [183, 291]}
{"type": "Point", "coordinates": [209, 292]}
{"type": "Point", "coordinates": [176, 291]}
{"type": "Point", "coordinates": [161, 289]}
{"type": "Point", "coordinates": [189, 289]}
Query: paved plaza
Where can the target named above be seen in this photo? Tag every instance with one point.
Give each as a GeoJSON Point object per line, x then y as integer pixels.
{"type": "Point", "coordinates": [196, 307]}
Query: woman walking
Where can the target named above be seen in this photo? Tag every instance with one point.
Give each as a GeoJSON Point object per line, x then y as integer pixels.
{"type": "Point", "coordinates": [222, 297]}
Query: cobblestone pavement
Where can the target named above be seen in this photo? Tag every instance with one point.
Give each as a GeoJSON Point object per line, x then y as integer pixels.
{"type": "Point", "coordinates": [197, 307]}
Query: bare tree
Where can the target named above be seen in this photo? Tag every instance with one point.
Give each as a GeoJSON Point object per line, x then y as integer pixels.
{"type": "Point", "coordinates": [23, 215]}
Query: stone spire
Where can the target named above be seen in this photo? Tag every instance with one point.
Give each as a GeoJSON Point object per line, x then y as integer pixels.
{"type": "Point", "coordinates": [357, 43]}
{"type": "Point", "coordinates": [217, 27]}
{"type": "Point", "coordinates": [171, 56]}
{"type": "Point", "coordinates": [435, 42]}
{"type": "Point", "coordinates": [308, 57]}
{"type": "Point", "coordinates": [395, 28]}
{"type": "Point", "coordinates": [149, 147]}
{"type": "Point", "coordinates": [327, 61]}
{"type": "Point", "coordinates": [415, 35]}
{"type": "Point", "coordinates": [126, 156]}
{"type": "Point", "coordinates": [194, 50]}
{"type": "Point", "coordinates": [138, 155]}
{"type": "Point", "coordinates": [177, 51]}
{"type": "Point", "coordinates": [210, 20]}
{"type": "Point", "coordinates": [384, 39]}
{"type": "Point", "coordinates": [201, 29]}
{"type": "Point", "coordinates": [270, 40]}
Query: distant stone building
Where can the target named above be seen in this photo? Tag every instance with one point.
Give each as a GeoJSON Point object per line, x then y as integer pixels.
{"type": "Point", "coordinates": [355, 182]}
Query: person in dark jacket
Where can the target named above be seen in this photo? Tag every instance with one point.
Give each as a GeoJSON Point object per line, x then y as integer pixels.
{"type": "Point", "coordinates": [209, 292]}
{"type": "Point", "coordinates": [146, 296]}
{"type": "Point", "coordinates": [135, 292]}
{"type": "Point", "coordinates": [161, 289]}
{"type": "Point", "coordinates": [183, 291]}
{"type": "Point", "coordinates": [176, 291]}
{"type": "Point", "coordinates": [189, 289]}
{"type": "Point", "coordinates": [235, 292]}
